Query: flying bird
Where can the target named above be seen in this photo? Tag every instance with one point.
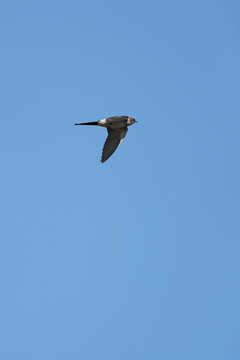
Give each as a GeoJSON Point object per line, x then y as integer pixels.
{"type": "Point", "coordinates": [117, 127]}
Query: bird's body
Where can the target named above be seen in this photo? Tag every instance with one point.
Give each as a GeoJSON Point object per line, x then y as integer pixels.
{"type": "Point", "coordinates": [117, 127]}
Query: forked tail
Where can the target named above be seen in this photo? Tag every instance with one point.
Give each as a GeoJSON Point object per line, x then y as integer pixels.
{"type": "Point", "coordinates": [88, 123]}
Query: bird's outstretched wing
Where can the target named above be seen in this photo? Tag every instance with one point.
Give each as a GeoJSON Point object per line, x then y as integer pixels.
{"type": "Point", "coordinates": [113, 140]}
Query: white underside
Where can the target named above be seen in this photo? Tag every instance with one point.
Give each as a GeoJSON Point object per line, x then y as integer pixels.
{"type": "Point", "coordinates": [102, 122]}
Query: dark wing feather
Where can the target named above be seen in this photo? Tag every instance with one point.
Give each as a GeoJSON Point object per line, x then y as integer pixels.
{"type": "Point", "coordinates": [113, 140]}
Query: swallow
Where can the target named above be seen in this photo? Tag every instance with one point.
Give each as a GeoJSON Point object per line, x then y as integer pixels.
{"type": "Point", "coordinates": [117, 127]}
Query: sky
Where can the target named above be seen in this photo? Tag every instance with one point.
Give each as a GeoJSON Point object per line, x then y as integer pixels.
{"type": "Point", "coordinates": [139, 257]}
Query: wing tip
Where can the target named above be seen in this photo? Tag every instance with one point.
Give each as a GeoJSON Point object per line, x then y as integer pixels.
{"type": "Point", "coordinates": [104, 159]}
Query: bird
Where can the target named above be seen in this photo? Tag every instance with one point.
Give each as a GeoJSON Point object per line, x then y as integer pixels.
{"type": "Point", "coordinates": [117, 128]}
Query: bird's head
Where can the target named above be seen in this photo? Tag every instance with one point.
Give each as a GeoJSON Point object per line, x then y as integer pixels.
{"type": "Point", "coordinates": [131, 121]}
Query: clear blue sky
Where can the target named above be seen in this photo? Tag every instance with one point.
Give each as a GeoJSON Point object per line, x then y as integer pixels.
{"type": "Point", "coordinates": [139, 257]}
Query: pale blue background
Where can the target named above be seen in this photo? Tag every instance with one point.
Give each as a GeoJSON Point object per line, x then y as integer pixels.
{"type": "Point", "coordinates": [137, 258]}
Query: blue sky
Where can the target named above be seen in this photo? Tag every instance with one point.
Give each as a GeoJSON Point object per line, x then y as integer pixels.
{"type": "Point", "coordinates": [136, 258]}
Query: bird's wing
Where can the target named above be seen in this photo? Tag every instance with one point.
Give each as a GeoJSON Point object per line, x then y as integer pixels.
{"type": "Point", "coordinates": [113, 140]}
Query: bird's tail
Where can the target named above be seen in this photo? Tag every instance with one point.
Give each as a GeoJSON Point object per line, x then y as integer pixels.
{"type": "Point", "coordinates": [88, 123]}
